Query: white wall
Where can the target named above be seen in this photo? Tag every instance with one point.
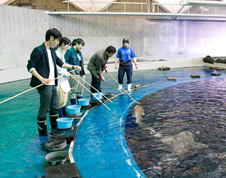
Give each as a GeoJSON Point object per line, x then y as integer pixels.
{"type": "Point", "coordinates": [23, 29]}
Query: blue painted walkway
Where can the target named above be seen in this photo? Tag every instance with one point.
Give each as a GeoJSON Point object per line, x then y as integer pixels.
{"type": "Point", "coordinates": [100, 147]}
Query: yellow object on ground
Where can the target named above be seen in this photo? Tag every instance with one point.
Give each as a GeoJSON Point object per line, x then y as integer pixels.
{"type": "Point", "coordinates": [195, 76]}
{"type": "Point", "coordinates": [137, 86]}
{"type": "Point", "coordinates": [163, 68]}
{"type": "Point", "coordinates": [220, 68]}
{"type": "Point", "coordinates": [172, 78]}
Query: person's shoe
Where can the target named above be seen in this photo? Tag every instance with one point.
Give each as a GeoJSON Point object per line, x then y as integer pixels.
{"type": "Point", "coordinates": [53, 121]}
{"type": "Point", "coordinates": [119, 87]}
{"type": "Point", "coordinates": [73, 101]}
{"type": "Point", "coordinates": [129, 87]}
{"type": "Point", "coordinates": [64, 111]}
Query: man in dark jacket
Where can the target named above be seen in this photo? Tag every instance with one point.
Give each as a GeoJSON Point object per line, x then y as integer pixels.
{"type": "Point", "coordinates": [42, 65]}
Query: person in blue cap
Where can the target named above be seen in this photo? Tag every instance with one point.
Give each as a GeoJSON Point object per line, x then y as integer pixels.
{"type": "Point", "coordinates": [125, 54]}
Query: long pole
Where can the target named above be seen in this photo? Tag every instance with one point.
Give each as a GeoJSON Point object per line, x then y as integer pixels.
{"type": "Point", "coordinates": [122, 87]}
{"type": "Point", "coordinates": [94, 88]}
{"type": "Point", "coordinates": [91, 93]}
{"type": "Point", "coordinates": [29, 90]}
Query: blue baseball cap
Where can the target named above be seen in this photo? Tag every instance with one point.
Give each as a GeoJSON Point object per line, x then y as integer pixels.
{"type": "Point", "coordinates": [125, 40]}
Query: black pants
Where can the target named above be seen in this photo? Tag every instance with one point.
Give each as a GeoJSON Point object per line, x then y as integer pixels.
{"type": "Point", "coordinates": [95, 83]}
{"type": "Point", "coordinates": [48, 101]}
{"type": "Point", "coordinates": [128, 68]}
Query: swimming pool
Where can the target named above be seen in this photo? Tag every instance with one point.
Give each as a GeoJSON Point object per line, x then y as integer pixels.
{"type": "Point", "coordinates": [100, 147]}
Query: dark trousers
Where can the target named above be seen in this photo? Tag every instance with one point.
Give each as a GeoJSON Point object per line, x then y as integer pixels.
{"type": "Point", "coordinates": [48, 101]}
{"type": "Point", "coordinates": [128, 68]}
{"type": "Point", "coordinates": [95, 83]}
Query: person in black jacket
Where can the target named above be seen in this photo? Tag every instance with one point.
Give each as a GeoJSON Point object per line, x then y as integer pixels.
{"type": "Point", "coordinates": [42, 65]}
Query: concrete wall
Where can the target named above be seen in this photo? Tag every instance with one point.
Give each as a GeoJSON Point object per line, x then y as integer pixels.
{"type": "Point", "coordinates": [23, 29]}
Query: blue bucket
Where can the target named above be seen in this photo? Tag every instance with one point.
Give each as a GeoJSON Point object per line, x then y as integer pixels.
{"type": "Point", "coordinates": [98, 95]}
{"type": "Point", "coordinates": [83, 101]}
{"type": "Point", "coordinates": [74, 109]}
{"type": "Point", "coordinates": [64, 123]}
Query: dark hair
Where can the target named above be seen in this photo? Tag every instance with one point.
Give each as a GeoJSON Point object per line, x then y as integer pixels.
{"type": "Point", "coordinates": [111, 49]}
{"type": "Point", "coordinates": [53, 32]}
{"type": "Point", "coordinates": [79, 41]}
{"type": "Point", "coordinates": [64, 40]}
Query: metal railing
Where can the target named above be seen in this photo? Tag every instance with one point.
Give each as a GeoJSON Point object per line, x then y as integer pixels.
{"type": "Point", "coordinates": [108, 4]}
{"type": "Point", "coordinates": [204, 5]}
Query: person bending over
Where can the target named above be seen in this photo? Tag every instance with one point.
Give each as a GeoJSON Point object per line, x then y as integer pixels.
{"type": "Point", "coordinates": [97, 64]}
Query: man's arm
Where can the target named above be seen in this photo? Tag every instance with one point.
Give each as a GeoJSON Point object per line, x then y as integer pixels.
{"type": "Point", "coordinates": [33, 61]}
{"type": "Point", "coordinates": [67, 57]}
{"type": "Point", "coordinates": [134, 59]}
{"type": "Point", "coordinates": [68, 66]}
{"type": "Point", "coordinates": [117, 59]}
{"type": "Point", "coordinates": [38, 76]}
{"type": "Point", "coordinates": [98, 67]}
{"type": "Point", "coordinates": [97, 64]}
{"type": "Point", "coordinates": [102, 77]}
{"type": "Point", "coordinates": [34, 58]}
{"type": "Point", "coordinates": [106, 68]}
{"type": "Point", "coordinates": [116, 63]}
{"type": "Point", "coordinates": [135, 62]}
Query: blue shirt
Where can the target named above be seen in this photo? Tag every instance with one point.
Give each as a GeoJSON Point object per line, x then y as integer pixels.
{"type": "Point", "coordinates": [125, 54]}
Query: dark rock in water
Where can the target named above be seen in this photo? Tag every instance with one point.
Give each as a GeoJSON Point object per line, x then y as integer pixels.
{"type": "Point", "coordinates": [221, 61]}
{"type": "Point", "coordinates": [195, 76]}
{"type": "Point", "coordinates": [196, 108]}
{"type": "Point", "coordinates": [162, 60]}
{"type": "Point", "coordinates": [215, 74]}
{"type": "Point", "coordinates": [208, 59]}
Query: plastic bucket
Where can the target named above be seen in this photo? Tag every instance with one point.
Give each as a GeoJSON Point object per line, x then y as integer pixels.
{"type": "Point", "coordinates": [74, 109]}
{"type": "Point", "coordinates": [98, 95]}
{"type": "Point", "coordinates": [64, 123]}
{"type": "Point", "coordinates": [83, 101]}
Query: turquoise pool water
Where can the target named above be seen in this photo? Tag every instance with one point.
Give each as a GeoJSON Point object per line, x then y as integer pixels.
{"type": "Point", "coordinates": [100, 147]}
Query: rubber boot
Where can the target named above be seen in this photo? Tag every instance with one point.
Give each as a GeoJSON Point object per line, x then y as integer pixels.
{"type": "Point", "coordinates": [53, 121]}
{"type": "Point", "coordinates": [129, 87]}
{"type": "Point", "coordinates": [64, 111]}
{"type": "Point", "coordinates": [119, 87]}
{"type": "Point", "coordinates": [73, 101]}
{"type": "Point", "coordinates": [61, 112]}
{"type": "Point", "coordinates": [42, 126]}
